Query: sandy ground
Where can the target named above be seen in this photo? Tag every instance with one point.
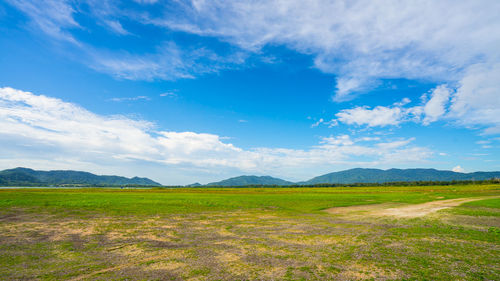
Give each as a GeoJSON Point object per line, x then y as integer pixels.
{"type": "Point", "coordinates": [405, 211]}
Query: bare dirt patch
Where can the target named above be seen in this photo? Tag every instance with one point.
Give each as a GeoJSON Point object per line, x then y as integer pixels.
{"type": "Point", "coordinates": [358, 209]}
{"type": "Point", "coordinates": [420, 210]}
{"type": "Point", "coordinates": [406, 211]}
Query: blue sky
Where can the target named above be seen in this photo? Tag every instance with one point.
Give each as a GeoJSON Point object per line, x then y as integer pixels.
{"type": "Point", "coordinates": [204, 90]}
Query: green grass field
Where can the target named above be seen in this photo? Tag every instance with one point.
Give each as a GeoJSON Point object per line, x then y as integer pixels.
{"type": "Point", "coordinates": [248, 234]}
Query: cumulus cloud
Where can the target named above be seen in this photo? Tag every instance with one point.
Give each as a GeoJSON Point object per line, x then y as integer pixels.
{"type": "Point", "coordinates": [378, 116]}
{"type": "Point", "coordinates": [474, 104]}
{"type": "Point", "coordinates": [52, 122]}
{"type": "Point", "coordinates": [35, 128]}
{"type": "Point", "coordinates": [381, 116]}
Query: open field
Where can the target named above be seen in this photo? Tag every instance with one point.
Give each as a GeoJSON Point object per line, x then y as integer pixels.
{"type": "Point", "coordinates": [251, 234]}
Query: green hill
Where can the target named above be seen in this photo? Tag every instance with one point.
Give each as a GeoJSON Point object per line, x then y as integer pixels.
{"type": "Point", "coordinates": [360, 175]}
{"type": "Point", "coordinates": [29, 177]}
{"type": "Point", "coordinates": [251, 180]}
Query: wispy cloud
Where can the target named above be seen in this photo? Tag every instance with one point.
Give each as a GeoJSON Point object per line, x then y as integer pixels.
{"type": "Point", "coordinates": [451, 43]}
{"type": "Point", "coordinates": [448, 42]}
{"type": "Point", "coordinates": [52, 17]}
{"type": "Point", "coordinates": [117, 27]}
{"type": "Point", "coordinates": [168, 62]}
{"type": "Point", "coordinates": [170, 94]}
{"type": "Point", "coordinates": [137, 98]}
{"type": "Point", "coordinates": [361, 42]}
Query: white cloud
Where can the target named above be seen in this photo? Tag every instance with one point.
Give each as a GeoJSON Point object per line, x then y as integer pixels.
{"type": "Point", "coordinates": [452, 43]}
{"type": "Point", "coordinates": [368, 139]}
{"type": "Point", "coordinates": [361, 40]}
{"type": "Point", "coordinates": [477, 99]}
{"type": "Point", "coordinates": [381, 116]}
{"type": "Point", "coordinates": [348, 48]}
{"type": "Point", "coordinates": [332, 123]}
{"type": "Point", "coordinates": [471, 105]}
{"type": "Point", "coordinates": [170, 94]}
{"type": "Point", "coordinates": [116, 27]}
{"type": "Point", "coordinates": [458, 169]}
{"type": "Point", "coordinates": [167, 62]}
{"type": "Point", "coordinates": [378, 116]}
{"type": "Point", "coordinates": [436, 106]}
{"type": "Point", "coordinates": [316, 124]}
{"type": "Point", "coordinates": [403, 102]}
{"type": "Point", "coordinates": [449, 42]}
{"type": "Point", "coordinates": [53, 17]}
{"type": "Point", "coordinates": [145, 98]}
{"type": "Point", "coordinates": [35, 128]}
{"type": "Point", "coordinates": [346, 86]}
{"type": "Point", "coordinates": [146, 1]}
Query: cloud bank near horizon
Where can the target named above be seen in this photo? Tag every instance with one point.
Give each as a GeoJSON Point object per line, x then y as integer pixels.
{"type": "Point", "coordinates": [44, 132]}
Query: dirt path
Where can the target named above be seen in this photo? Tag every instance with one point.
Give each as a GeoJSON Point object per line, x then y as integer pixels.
{"type": "Point", "coordinates": [406, 211]}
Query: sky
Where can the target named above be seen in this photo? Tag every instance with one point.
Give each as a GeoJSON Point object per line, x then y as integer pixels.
{"type": "Point", "coordinates": [199, 91]}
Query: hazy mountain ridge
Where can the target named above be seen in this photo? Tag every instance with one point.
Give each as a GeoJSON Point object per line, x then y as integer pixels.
{"type": "Point", "coordinates": [25, 176]}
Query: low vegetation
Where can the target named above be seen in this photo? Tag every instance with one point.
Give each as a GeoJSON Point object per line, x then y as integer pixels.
{"type": "Point", "coordinates": [251, 233]}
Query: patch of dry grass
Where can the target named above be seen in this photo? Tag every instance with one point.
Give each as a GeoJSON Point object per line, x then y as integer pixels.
{"type": "Point", "coordinates": [264, 244]}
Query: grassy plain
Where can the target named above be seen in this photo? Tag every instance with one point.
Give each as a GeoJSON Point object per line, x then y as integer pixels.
{"type": "Point", "coordinates": [248, 234]}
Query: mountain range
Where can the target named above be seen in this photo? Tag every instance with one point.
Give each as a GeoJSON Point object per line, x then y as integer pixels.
{"type": "Point", "coordinates": [29, 177]}
{"type": "Point", "coordinates": [360, 175]}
